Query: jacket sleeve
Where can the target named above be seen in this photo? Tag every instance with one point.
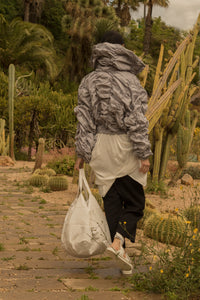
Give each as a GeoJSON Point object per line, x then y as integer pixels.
{"type": "Point", "coordinates": [137, 123]}
{"type": "Point", "coordinates": [86, 128]}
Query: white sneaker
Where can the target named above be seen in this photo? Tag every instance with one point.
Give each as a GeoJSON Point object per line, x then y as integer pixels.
{"type": "Point", "coordinates": [122, 259]}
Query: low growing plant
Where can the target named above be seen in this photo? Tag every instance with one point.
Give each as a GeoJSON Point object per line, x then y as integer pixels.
{"type": "Point", "coordinates": [193, 171]}
{"type": "Point", "coordinates": [192, 214]}
{"type": "Point", "coordinates": [64, 166]}
{"type": "Point", "coordinates": [175, 273]}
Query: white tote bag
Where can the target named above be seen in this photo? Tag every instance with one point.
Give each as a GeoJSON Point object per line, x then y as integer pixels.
{"type": "Point", "coordinates": [85, 231]}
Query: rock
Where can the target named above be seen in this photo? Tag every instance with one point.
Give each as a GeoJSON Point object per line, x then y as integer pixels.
{"type": "Point", "coordinates": [6, 161]}
{"type": "Point", "coordinates": [187, 180]}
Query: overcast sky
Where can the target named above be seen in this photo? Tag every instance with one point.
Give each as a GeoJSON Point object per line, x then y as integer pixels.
{"type": "Point", "coordinates": [180, 13]}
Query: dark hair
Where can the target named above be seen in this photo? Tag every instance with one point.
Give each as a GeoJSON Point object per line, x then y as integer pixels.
{"type": "Point", "coordinates": [112, 37]}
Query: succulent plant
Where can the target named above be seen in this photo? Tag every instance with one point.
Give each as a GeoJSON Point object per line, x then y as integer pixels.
{"type": "Point", "coordinates": [45, 171]}
{"type": "Point", "coordinates": [58, 183]}
{"type": "Point", "coordinates": [11, 95]}
{"type": "Point", "coordinates": [39, 180]}
{"type": "Point", "coordinates": [192, 214]}
{"type": "Point", "coordinates": [167, 107]}
{"type": "Point", "coordinates": [4, 143]}
{"type": "Point", "coordinates": [148, 211]}
{"type": "Point", "coordinates": [166, 228]}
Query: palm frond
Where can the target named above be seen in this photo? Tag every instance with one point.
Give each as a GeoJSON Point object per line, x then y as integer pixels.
{"type": "Point", "coordinates": [29, 44]}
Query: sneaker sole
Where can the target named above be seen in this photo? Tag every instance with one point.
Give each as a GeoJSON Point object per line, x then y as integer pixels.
{"type": "Point", "coordinates": [120, 261]}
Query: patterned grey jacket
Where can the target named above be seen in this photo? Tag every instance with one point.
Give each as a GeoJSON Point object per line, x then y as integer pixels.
{"type": "Point", "coordinates": [112, 101]}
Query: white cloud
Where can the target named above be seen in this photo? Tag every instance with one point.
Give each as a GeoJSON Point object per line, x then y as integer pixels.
{"type": "Point", "coordinates": [180, 13]}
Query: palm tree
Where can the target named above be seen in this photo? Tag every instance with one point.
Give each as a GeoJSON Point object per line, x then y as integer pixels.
{"type": "Point", "coordinates": [27, 44]}
{"type": "Point", "coordinates": [79, 24]}
{"type": "Point", "coordinates": [122, 8]}
{"type": "Point", "coordinates": [33, 10]}
{"type": "Point", "coordinates": [149, 22]}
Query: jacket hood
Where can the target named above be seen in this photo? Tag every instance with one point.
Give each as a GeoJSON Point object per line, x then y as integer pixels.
{"type": "Point", "coordinates": [106, 55]}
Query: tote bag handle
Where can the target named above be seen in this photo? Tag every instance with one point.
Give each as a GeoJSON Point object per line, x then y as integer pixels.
{"type": "Point", "coordinates": [83, 184]}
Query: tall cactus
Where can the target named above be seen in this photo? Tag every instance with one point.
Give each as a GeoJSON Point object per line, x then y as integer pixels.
{"type": "Point", "coordinates": [184, 140]}
{"type": "Point", "coordinates": [11, 93]}
{"type": "Point", "coordinates": [4, 143]}
{"type": "Point", "coordinates": [169, 102]}
{"type": "Point", "coordinates": [39, 155]}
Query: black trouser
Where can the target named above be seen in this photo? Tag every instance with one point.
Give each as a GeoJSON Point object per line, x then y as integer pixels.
{"type": "Point", "coordinates": [124, 204]}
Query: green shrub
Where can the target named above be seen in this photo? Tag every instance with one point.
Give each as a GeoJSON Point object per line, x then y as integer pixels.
{"type": "Point", "coordinates": [193, 171]}
{"type": "Point", "coordinates": [176, 271]}
{"type": "Point", "coordinates": [21, 156]}
{"type": "Point", "coordinates": [63, 166]}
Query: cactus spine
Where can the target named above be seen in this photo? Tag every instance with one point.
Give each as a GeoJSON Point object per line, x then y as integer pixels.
{"type": "Point", "coordinates": [192, 214]}
{"type": "Point", "coordinates": [169, 102]}
{"type": "Point", "coordinates": [148, 212]}
{"type": "Point", "coordinates": [46, 171]}
{"type": "Point", "coordinates": [38, 180]}
{"type": "Point", "coordinates": [168, 229]}
{"type": "Point", "coordinates": [58, 183]}
{"type": "Point", "coordinates": [184, 140]}
{"type": "Point", "coordinates": [11, 92]}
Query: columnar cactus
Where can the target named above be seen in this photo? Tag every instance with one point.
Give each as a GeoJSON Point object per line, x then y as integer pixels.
{"type": "Point", "coordinates": [4, 143]}
{"type": "Point", "coordinates": [58, 183]}
{"type": "Point", "coordinates": [166, 228]}
{"type": "Point", "coordinates": [169, 102]}
{"type": "Point", "coordinates": [39, 155]}
{"type": "Point", "coordinates": [11, 93]}
{"type": "Point", "coordinates": [184, 140]}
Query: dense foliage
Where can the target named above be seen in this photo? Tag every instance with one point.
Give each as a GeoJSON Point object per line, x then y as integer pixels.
{"type": "Point", "coordinates": [11, 9]}
{"type": "Point", "coordinates": [52, 56]}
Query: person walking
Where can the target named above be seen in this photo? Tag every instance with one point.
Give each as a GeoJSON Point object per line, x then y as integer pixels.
{"type": "Point", "coordinates": [112, 136]}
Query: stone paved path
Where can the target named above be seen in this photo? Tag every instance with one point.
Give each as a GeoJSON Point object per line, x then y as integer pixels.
{"type": "Point", "coordinates": [33, 264]}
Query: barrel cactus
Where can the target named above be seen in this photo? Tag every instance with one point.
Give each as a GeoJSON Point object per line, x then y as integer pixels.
{"type": "Point", "coordinates": [45, 171]}
{"type": "Point", "coordinates": [192, 214]}
{"type": "Point", "coordinates": [166, 228]}
{"type": "Point", "coordinates": [58, 183]}
{"type": "Point", "coordinates": [148, 211]}
{"type": "Point", "coordinates": [39, 180]}
{"type": "Point", "coordinates": [149, 203]}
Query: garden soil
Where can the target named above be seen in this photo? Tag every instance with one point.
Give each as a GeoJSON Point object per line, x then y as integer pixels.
{"type": "Point", "coordinates": [33, 263]}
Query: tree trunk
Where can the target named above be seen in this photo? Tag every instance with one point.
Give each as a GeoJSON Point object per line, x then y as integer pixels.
{"type": "Point", "coordinates": [145, 6]}
{"type": "Point", "coordinates": [125, 15]}
{"type": "Point", "coordinates": [33, 10]}
{"type": "Point", "coordinates": [118, 8]}
{"type": "Point", "coordinates": [148, 28]}
{"type": "Point", "coordinates": [26, 10]}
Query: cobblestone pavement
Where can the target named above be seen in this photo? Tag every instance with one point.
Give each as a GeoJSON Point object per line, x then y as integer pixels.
{"type": "Point", "coordinates": [33, 263]}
